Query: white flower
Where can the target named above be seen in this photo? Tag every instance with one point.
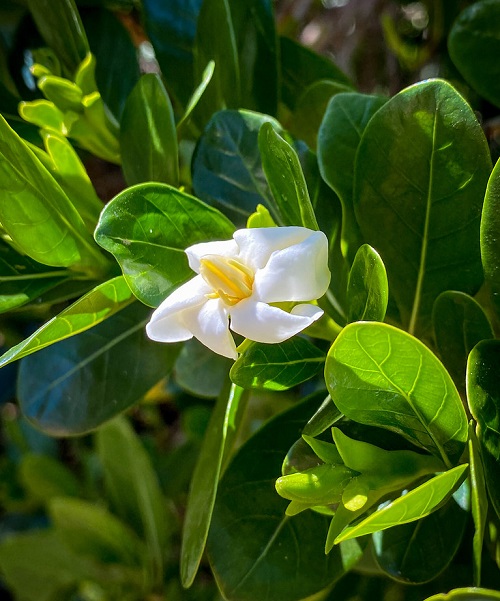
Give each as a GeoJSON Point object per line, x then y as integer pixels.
{"type": "Point", "coordinates": [236, 282]}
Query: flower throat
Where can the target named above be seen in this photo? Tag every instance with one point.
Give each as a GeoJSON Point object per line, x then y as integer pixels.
{"type": "Point", "coordinates": [231, 280]}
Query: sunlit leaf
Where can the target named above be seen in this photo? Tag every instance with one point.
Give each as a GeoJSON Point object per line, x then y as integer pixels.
{"type": "Point", "coordinates": [490, 231]}
{"type": "Point", "coordinates": [367, 287]}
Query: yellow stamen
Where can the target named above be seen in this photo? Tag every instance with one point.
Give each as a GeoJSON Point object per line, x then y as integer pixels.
{"type": "Point", "coordinates": [231, 280]}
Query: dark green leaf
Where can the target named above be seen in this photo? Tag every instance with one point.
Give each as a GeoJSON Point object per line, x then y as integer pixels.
{"type": "Point", "coordinates": [277, 366]}
{"type": "Point", "coordinates": [474, 44]}
{"type": "Point", "coordinates": [59, 23]}
{"type": "Point", "coordinates": [220, 434]}
{"type": "Point", "coordinates": [133, 489]}
{"type": "Point", "coordinates": [39, 216]}
{"type": "Point", "coordinates": [302, 67]}
{"type": "Point", "coordinates": [483, 394]}
{"type": "Point", "coordinates": [421, 171]}
{"type": "Point", "coordinates": [211, 369]}
{"type": "Point", "coordinates": [45, 478]}
{"type": "Point", "coordinates": [490, 231]}
{"type": "Point", "coordinates": [339, 135]}
{"type": "Point", "coordinates": [148, 227]}
{"type": "Point", "coordinates": [77, 384]}
{"type": "Point", "coordinates": [459, 324]}
{"type": "Point", "coordinates": [479, 501]}
{"type": "Point", "coordinates": [381, 376]}
{"type": "Point", "coordinates": [286, 179]}
{"type": "Point", "coordinates": [148, 137]}
{"type": "Point", "coordinates": [310, 109]}
{"type": "Point", "coordinates": [273, 556]}
{"type": "Point", "coordinates": [224, 88]}
{"type": "Point", "coordinates": [367, 288]}
{"type": "Point", "coordinates": [94, 307]}
{"type": "Point", "coordinates": [227, 170]}
{"type": "Point", "coordinates": [91, 530]}
{"type": "Point", "coordinates": [22, 280]}
{"type": "Point", "coordinates": [413, 505]}
{"type": "Point", "coordinates": [419, 551]}
{"type": "Point", "coordinates": [324, 417]}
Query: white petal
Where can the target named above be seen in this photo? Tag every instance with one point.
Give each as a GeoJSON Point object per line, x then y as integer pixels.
{"type": "Point", "coordinates": [263, 323]}
{"type": "Point", "coordinates": [297, 273]}
{"type": "Point", "coordinates": [210, 324]}
{"type": "Point", "coordinates": [226, 248]}
{"type": "Point", "coordinates": [167, 324]}
{"type": "Point", "coordinates": [256, 245]}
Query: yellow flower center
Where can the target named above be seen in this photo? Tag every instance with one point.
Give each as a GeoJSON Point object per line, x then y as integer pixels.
{"type": "Point", "coordinates": [231, 280]}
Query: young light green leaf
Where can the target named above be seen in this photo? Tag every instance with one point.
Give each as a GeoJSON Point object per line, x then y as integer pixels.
{"type": "Point", "coordinates": [227, 169]}
{"type": "Point", "coordinates": [414, 505]}
{"type": "Point", "coordinates": [249, 518]}
{"type": "Point", "coordinates": [277, 366]}
{"type": "Point", "coordinates": [490, 230]}
{"type": "Point", "coordinates": [483, 395]}
{"type": "Point", "coordinates": [61, 390]}
{"type": "Point", "coordinates": [147, 227]}
{"type": "Point", "coordinates": [459, 324]}
{"type": "Point", "coordinates": [286, 179]}
{"type": "Point", "coordinates": [339, 135]}
{"type": "Point", "coordinates": [198, 93]}
{"type": "Point", "coordinates": [45, 478]}
{"type": "Point", "coordinates": [421, 170]}
{"type": "Point", "coordinates": [326, 415]}
{"type": "Point", "coordinates": [466, 594]}
{"type": "Point", "coordinates": [88, 311]}
{"type": "Point", "coordinates": [148, 137]}
{"type": "Point", "coordinates": [39, 217]}
{"type": "Point", "coordinates": [379, 375]}
{"type": "Point", "coordinates": [473, 43]}
{"type": "Point", "coordinates": [134, 490]}
{"type": "Point", "coordinates": [479, 502]}
{"type": "Point", "coordinates": [59, 23]}
{"type": "Point", "coordinates": [367, 287]}
{"type": "Point", "coordinates": [219, 437]}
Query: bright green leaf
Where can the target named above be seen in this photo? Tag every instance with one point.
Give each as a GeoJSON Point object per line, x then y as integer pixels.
{"type": "Point", "coordinates": [479, 501]}
{"type": "Point", "coordinates": [148, 227]}
{"type": "Point", "coordinates": [198, 93]}
{"type": "Point", "coordinates": [421, 171]}
{"type": "Point", "coordinates": [367, 287]}
{"type": "Point", "coordinates": [381, 376]}
{"type": "Point", "coordinates": [490, 231]}
{"type": "Point", "coordinates": [467, 594]}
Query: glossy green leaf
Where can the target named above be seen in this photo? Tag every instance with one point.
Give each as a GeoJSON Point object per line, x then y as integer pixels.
{"type": "Point", "coordinates": [467, 594]}
{"type": "Point", "coordinates": [224, 88]}
{"type": "Point", "coordinates": [45, 478]}
{"type": "Point", "coordinates": [266, 560]}
{"type": "Point", "coordinates": [133, 489]}
{"type": "Point", "coordinates": [414, 505]}
{"type": "Point", "coordinates": [211, 369]}
{"type": "Point", "coordinates": [60, 25]}
{"type": "Point", "coordinates": [79, 383]}
{"type": "Point", "coordinates": [148, 227]}
{"type": "Point", "coordinates": [39, 216]}
{"type": "Point", "coordinates": [421, 170]}
{"type": "Point", "coordinates": [301, 67]}
{"type": "Point", "coordinates": [479, 501]}
{"type": "Point", "coordinates": [419, 551]}
{"type": "Point", "coordinates": [490, 230]}
{"type": "Point", "coordinates": [483, 394]}
{"type": "Point", "coordinates": [198, 93]}
{"type": "Point", "coordinates": [459, 324]}
{"type": "Point", "coordinates": [310, 109]}
{"type": "Point", "coordinates": [324, 417]}
{"type": "Point", "coordinates": [171, 27]}
{"type": "Point", "coordinates": [277, 366]}
{"type": "Point", "coordinates": [339, 135]}
{"type": "Point", "coordinates": [148, 137]}
{"type": "Point", "coordinates": [23, 280]}
{"type": "Point", "coordinates": [473, 43]}
{"type": "Point", "coordinates": [220, 434]}
{"type": "Point", "coordinates": [90, 530]}
{"type": "Point", "coordinates": [286, 179]}
{"type": "Point", "coordinates": [367, 287]}
{"type": "Point", "coordinates": [227, 169]}
{"type": "Point", "coordinates": [88, 311]}
{"type": "Point", "coordinates": [381, 376]}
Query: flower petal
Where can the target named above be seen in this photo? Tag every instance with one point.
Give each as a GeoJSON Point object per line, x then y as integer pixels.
{"type": "Point", "coordinates": [296, 273]}
{"type": "Point", "coordinates": [256, 245]}
{"type": "Point", "coordinates": [166, 323]}
{"type": "Point", "coordinates": [226, 248]}
{"type": "Point", "coordinates": [209, 323]}
{"type": "Point", "coordinates": [262, 323]}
